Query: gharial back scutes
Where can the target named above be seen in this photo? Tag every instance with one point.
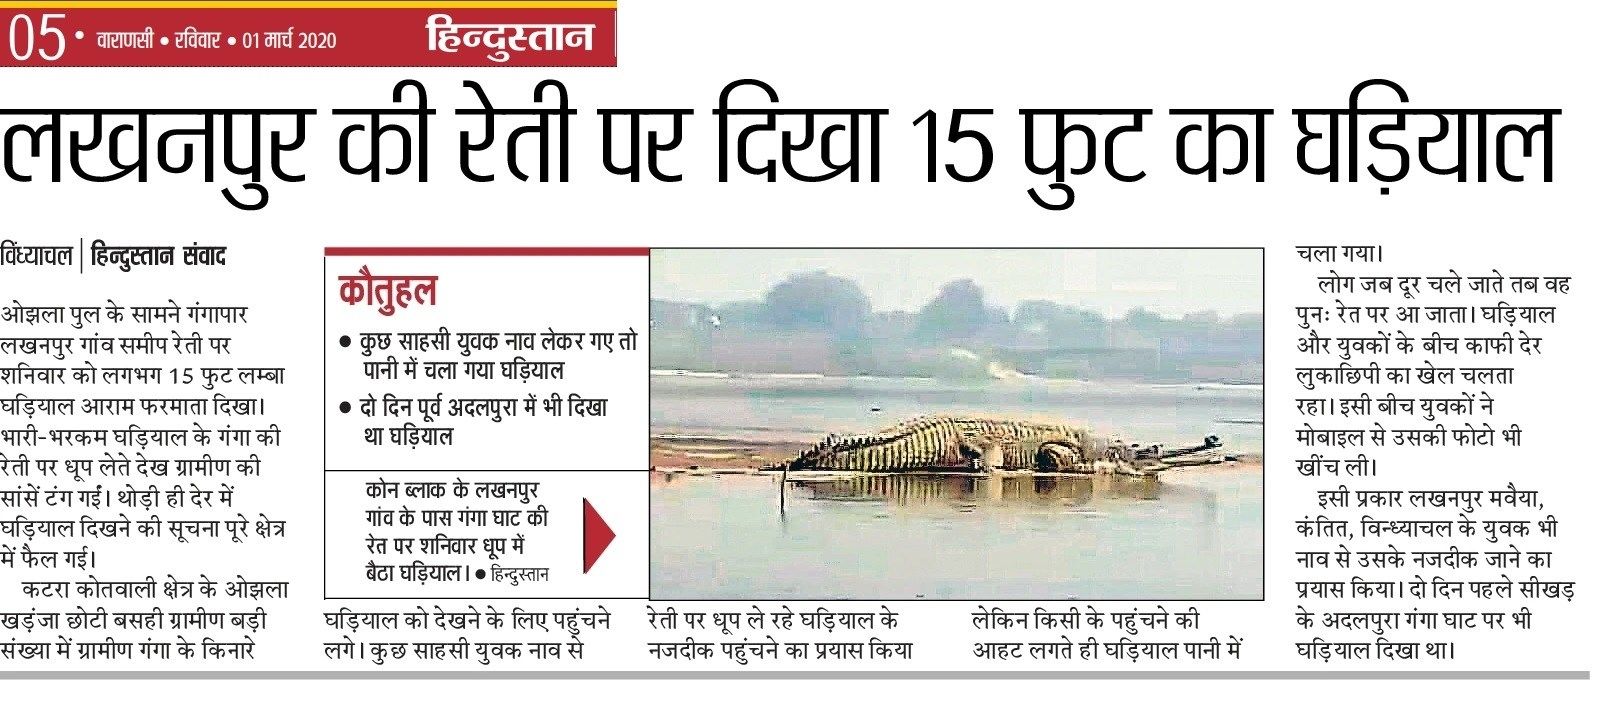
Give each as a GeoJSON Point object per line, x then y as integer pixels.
{"type": "Point", "coordinates": [947, 441]}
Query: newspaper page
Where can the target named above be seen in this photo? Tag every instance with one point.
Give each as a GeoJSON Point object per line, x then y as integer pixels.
{"type": "Point", "coordinates": [440, 350]}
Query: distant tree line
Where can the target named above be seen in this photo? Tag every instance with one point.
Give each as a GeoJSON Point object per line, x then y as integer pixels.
{"type": "Point", "coordinates": [956, 332]}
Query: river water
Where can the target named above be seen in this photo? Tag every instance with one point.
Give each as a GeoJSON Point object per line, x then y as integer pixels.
{"type": "Point", "coordinates": [779, 408]}
{"type": "Point", "coordinates": [956, 537]}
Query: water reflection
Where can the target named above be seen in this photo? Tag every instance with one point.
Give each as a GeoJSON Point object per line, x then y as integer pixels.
{"type": "Point", "coordinates": [971, 491]}
{"type": "Point", "coordinates": [958, 536]}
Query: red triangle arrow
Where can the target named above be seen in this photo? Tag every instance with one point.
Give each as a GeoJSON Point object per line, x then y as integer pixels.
{"type": "Point", "coordinates": [597, 535]}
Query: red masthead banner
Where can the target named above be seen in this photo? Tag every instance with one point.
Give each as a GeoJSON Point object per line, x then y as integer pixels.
{"type": "Point", "coordinates": [310, 33]}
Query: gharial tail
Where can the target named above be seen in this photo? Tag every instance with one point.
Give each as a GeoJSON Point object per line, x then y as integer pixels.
{"type": "Point", "coordinates": [807, 459]}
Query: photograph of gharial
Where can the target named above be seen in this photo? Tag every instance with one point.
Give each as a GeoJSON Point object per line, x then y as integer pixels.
{"type": "Point", "coordinates": [957, 424]}
{"type": "Point", "coordinates": [940, 443]}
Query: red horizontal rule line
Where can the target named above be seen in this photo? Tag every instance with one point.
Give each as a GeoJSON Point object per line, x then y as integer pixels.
{"type": "Point", "coordinates": [301, 4]}
{"type": "Point", "coordinates": [486, 251]}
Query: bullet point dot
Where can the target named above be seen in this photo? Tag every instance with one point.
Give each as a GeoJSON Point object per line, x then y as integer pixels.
{"type": "Point", "coordinates": [345, 406]}
{"type": "Point", "coordinates": [345, 340]}
{"type": "Point", "coordinates": [480, 574]}
{"type": "Point", "coordinates": [78, 34]}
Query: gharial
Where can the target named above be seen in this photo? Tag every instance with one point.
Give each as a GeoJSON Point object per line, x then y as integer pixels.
{"type": "Point", "coordinates": [953, 443]}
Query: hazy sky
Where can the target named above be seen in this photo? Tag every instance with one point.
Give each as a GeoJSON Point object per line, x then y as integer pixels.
{"type": "Point", "coordinates": [1169, 282]}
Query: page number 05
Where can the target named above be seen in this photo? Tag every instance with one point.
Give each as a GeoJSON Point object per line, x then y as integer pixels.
{"type": "Point", "coordinates": [26, 37]}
